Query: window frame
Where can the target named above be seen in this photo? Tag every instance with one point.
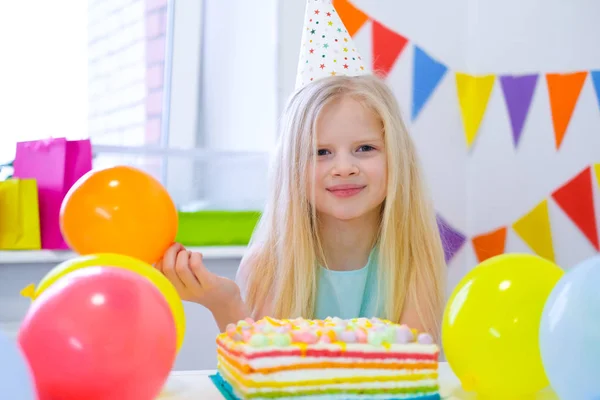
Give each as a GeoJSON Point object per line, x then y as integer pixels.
{"type": "Point", "coordinates": [184, 139]}
{"type": "Point", "coordinates": [182, 91]}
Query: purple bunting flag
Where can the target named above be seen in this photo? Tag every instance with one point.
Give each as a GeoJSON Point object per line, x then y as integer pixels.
{"type": "Point", "coordinates": [518, 92]}
{"type": "Point", "coordinates": [452, 240]}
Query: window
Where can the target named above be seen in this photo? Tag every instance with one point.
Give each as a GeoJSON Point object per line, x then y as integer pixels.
{"type": "Point", "coordinates": [185, 90]}
{"type": "Point", "coordinates": [43, 72]}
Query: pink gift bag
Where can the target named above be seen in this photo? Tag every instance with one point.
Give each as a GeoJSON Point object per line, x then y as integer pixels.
{"type": "Point", "coordinates": [56, 164]}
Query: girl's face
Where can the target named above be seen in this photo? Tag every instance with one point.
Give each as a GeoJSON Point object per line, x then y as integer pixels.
{"type": "Point", "coordinates": [350, 178]}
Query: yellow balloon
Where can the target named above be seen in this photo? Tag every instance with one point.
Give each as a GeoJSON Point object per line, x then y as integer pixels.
{"type": "Point", "coordinates": [491, 325]}
{"type": "Point", "coordinates": [118, 261]}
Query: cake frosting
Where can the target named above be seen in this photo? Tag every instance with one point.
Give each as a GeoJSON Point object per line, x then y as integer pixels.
{"type": "Point", "coordinates": [332, 358]}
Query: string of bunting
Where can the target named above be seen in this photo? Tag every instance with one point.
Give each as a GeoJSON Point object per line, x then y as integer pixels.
{"type": "Point", "coordinates": [473, 90]}
{"type": "Point", "coordinates": [574, 197]}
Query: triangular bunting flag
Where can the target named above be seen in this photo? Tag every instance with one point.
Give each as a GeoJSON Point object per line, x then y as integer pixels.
{"type": "Point", "coordinates": [473, 95]}
{"type": "Point", "coordinates": [597, 170]}
{"type": "Point", "coordinates": [577, 200]}
{"type": "Point", "coordinates": [596, 81]}
{"type": "Point", "coordinates": [534, 229]}
{"type": "Point", "coordinates": [490, 244]}
{"type": "Point", "coordinates": [387, 47]}
{"type": "Point", "coordinates": [518, 92]}
{"type": "Point", "coordinates": [452, 240]}
{"type": "Point", "coordinates": [351, 16]}
{"type": "Point", "coordinates": [427, 74]}
{"type": "Point", "coordinates": [564, 92]}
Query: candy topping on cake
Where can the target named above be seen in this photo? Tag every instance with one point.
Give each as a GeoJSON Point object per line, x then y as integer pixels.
{"type": "Point", "coordinates": [301, 332]}
{"type": "Point", "coordinates": [347, 336]}
{"type": "Point", "coordinates": [259, 340]}
{"type": "Point", "coordinates": [425, 338]}
{"type": "Point", "coordinates": [305, 335]}
{"type": "Point", "coordinates": [281, 339]}
{"type": "Point", "coordinates": [404, 334]}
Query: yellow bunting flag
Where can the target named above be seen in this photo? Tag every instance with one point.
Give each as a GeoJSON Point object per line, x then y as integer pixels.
{"type": "Point", "coordinates": [597, 170]}
{"type": "Point", "coordinates": [534, 229]}
{"type": "Point", "coordinates": [473, 96]}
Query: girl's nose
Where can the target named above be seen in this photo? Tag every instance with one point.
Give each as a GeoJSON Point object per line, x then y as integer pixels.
{"type": "Point", "coordinates": [344, 166]}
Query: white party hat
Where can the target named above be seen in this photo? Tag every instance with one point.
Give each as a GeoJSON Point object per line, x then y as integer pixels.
{"type": "Point", "coordinates": [327, 47]}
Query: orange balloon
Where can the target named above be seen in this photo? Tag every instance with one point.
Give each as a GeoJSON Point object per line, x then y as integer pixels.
{"type": "Point", "coordinates": [119, 210]}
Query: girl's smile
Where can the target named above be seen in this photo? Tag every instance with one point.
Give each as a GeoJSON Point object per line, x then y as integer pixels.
{"type": "Point", "coordinates": [347, 190]}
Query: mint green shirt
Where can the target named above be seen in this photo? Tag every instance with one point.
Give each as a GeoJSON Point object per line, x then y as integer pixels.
{"type": "Point", "coordinates": [348, 294]}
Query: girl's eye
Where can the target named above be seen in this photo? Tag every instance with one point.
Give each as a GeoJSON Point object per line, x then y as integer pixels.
{"type": "Point", "coordinates": [366, 147]}
{"type": "Point", "coordinates": [322, 152]}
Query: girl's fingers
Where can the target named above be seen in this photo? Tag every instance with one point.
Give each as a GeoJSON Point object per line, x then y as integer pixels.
{"type": "Point", "coordinates": [168, 269]}
{"type": "Point", "coordinates": [198, 268]}
{"type": "Point", "coordinates": [171, 256]}
{"type": "Point", "coordinates": [182, 269]}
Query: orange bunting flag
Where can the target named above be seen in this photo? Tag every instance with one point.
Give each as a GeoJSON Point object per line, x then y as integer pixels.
{"type": "Point", "coordinates": [577, 201]}
{"type": "Point", "coordinates": [564, 90]}
{"type": "Point", "coordinates": [534, 229]}
{"type": "Point", "coordinates": [352, 17]}
{"type": "Point", "coordinates": [387, 47]}
{"type": "Point", "coordinates": [473, 96]}
{"type": "Point", "coordinates": [490, 244]}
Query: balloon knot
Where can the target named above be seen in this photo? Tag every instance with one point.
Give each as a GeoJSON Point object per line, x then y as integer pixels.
{"type": "Point", "coordinates": [28, 291]}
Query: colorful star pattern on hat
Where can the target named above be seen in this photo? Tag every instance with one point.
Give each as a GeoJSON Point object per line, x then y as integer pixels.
{"type": "Point", "coordinates": [327, 48]}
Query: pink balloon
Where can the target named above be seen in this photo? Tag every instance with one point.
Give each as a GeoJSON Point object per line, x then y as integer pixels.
{"type": "Point", "coordinates": [97, 334]}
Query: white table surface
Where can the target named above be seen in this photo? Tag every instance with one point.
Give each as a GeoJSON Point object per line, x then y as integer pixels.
{"type": "Point", "coordinates": [194, 385]}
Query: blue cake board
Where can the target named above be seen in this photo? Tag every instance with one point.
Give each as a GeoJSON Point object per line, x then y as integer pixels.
{"type": "Point", "coordinates": [224, 387]}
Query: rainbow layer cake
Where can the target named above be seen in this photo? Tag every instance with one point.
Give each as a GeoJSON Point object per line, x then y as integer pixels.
{"type": "Point", "coordinates": [332, 358]}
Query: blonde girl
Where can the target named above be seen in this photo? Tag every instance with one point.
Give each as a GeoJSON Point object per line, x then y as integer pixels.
{"type": "Point", "coordinates": [348, 229]}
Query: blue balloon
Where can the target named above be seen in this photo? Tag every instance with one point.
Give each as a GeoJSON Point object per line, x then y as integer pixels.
{"type": "Point", "coordinates": [570, 333]}
{"type": "Point", "coordinates": [16, 380]}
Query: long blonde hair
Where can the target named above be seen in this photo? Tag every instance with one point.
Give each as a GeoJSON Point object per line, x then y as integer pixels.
{"type": "Point", "coordinates": [285, 247]}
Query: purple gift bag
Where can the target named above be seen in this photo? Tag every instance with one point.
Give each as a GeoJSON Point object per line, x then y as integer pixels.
{"type": "Point", "coordinates": [56, 164]}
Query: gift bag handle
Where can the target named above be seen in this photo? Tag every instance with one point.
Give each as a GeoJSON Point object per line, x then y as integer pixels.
{"type": "Point", "coordinates": [9, 165]}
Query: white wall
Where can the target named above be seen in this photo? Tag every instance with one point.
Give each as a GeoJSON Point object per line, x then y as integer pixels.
{"type": "Point", "coordinates": [503, 183]}
{"type": "Point", "coordinates": [544, 36]}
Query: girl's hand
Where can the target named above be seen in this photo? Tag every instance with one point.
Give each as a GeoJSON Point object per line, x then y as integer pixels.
{"type": "Point", "coordinates": [195, 283]}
